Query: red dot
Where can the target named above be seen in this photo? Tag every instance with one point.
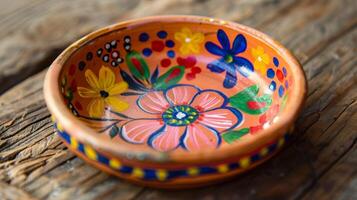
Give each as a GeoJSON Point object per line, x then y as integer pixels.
{"type": "Point", "coordinates": [74, 85]}
{"type": "Point", "coordinates": [254, 129]}
{"type": "Point", "coordinates": [165, 62]}
{"type": "Point", "coordinates": [254, 105]}
{"type": "Point", "coordinates": [263, 118]}
{"type": "Point", "coordinates": [196, 70]}
{"type": "Point", "coordinates": [157, 45]}
{"type": "Point", "coordinates": [280, 75]}
{"type": "Point", "coordinates": [190, 76]}
{"type": "Point", "coordinates": [190, 61]}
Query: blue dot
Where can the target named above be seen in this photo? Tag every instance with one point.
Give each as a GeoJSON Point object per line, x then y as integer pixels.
{"type": "Point", "coordinates": [143, 37]}
{"type": "Point", "coordinates": [270, 73]}
{"type": "Point", "coordinates": [171, 54]}
{"type": "Point", "coordinates": [272, 86]}
{"type": "Point", "coordinates": [170, 43]}
{"type": "Point", "coordinates": [286, 84]}
{"type": "Point", "coordinates": [281, 91]}
{"type": "Point", "coordinates": [285, 72]}
{"type": "Point", "coordinates": [161, 34]}
{"type": "Point", "coordinates": [276, 61]}
{"type": "Point", "coordinates": [147, 52]}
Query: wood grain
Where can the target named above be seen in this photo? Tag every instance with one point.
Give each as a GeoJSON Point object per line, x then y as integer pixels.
{"type": "Point", "coordinates": [318, 163]}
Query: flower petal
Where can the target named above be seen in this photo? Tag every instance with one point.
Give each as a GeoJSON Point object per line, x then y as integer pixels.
{"type": "Point", "coordinates": [118, 88]}
{"type": "Point", "coordinates": [194, 48]}
{"type": "Point", "coordinates": [96, 107]}
{"type": "Point", "coordinates": [87, 93]}
{"type": "Point", "coordinates": [239, 44]}
{"type": "Point", "coordinates": [198, 38]}
{"type": "Point", "coordinates": [266, 58]}
{"type": "Point", "coordinates": [116, 104]}
{"type": "Point", "coordinates": [223, 39]}
{"type": "Point", "coordinates": [92, 80]}
{"type": "Point", "coordinates": [198, 137]}
{"type": "Point", "coordinates": [181, 94]}
{"type": "Point", "coordinates": [244, 66]}
{"type": "Point", "coordinates": [106, 78]}
{"type": "Point", "coordinates": [230, 80]}
{"type": "Point", "coordinates": [208, 100]}
{"type": "Point", "coordinates": [217, 66]}
{"type": "Point", "coordinates": [138, 131]}
{"type": "Point", "coordinates": [214, 49]}
{"type": "Point", "coordinates": [153, 102]}
{"type": "Point", "coordinates": [166, 138]}
{"type": "Point", "coordinates": [221, 119]}
{"type": "Point", "coordinates": [185, 49]}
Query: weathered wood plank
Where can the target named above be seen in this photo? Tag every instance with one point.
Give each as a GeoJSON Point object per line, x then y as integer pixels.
{"type": "Point", "coordinates": [340, 181]}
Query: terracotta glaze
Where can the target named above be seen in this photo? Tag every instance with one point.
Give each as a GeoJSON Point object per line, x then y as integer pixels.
{"type": "Point", "coordinates": [175, 101]}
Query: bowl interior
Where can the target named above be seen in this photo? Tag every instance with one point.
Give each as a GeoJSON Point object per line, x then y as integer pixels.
{"type": "Point", "coordinates": [176, 86]}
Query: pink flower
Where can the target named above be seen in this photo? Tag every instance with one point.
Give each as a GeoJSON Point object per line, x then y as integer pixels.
{"type": "Point", "coordinates": [183, 116]}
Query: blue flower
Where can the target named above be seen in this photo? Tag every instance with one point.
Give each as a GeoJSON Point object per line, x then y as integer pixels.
{"type": "Point", "coordinates": [229, 61]}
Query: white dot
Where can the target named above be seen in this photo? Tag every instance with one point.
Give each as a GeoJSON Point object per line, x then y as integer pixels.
{"type": "Point", "coordinates": [276, 119]}
{"type": "Point", "coordinates": [187, 40]}
{"type": "Point", "coordinates": [180, 115]}
{"type": "Point", "coordinates": [266, 125]}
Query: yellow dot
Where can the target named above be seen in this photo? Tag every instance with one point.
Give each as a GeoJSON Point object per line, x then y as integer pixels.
{"type": "Point", "coordinates": [264, 151]}
{"type": "Point", "coordinates": [114, 163]}
{"type": "Point", "coordinates": [161, 174]}
{"type": "Point", "coordinates": [59, 127]}
{"type": "Point", "coordinates": [137, 172]}
{"type": "Point", "coordinates": [53, 119]}
{"type": "Point", "coordinates": [222, 22]}
{"type": "Point", "coordinates": [74, 143]}
{"type": "Point", "coordinates": [90, 152]}
{"type": "Point", "coordinates": [280, 142]}
{"type": "Point", "coordinates": [244, 162]}
{"type": "Point", "coordinates": [223, 168]}
{"type": "Point", "coordinates": [193, 171]}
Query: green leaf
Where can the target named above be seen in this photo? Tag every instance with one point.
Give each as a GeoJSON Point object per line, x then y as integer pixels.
{"type": "Point", "coordinates": [171, 77]}
{"type": "Point", "coordinates": [232, 136]}
{"type": "Point", "coordinates": [64, 81]}
{"type": "Point", "coordinates": [283, 103]}
{"type": "Point", "coordinates": [137, 65]}
{"type": "Point", "coordinates": [69, 94]}
{"type": "Point", "coordinates": [113, 131]}
{"type": "Point", "coordinates": [248, 101]}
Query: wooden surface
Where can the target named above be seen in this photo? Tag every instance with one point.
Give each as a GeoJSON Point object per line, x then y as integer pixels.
{"type": "Point", "coordinates": [320, 162]}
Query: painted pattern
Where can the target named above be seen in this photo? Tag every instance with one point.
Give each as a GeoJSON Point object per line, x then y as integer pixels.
{"type": "Point", "coordinates": [157, 174]}
{"type": "Point", "coordinates": [179, 88]}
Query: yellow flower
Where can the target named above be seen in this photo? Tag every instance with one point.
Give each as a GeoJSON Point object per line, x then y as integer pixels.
{"type": "Point", "coordinates": [103, 91]}
{"type": "Point", "coordinates": [261, 59]}
{"type": "Point", "coordinates": [190, 41]}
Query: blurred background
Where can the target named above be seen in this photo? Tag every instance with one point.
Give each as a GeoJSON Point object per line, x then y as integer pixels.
{"type": "Point", "coordinates": [33, 32]}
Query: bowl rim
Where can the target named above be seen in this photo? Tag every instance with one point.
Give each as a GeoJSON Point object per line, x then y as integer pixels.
{"type": "Point", "coordinates": [80, 131]}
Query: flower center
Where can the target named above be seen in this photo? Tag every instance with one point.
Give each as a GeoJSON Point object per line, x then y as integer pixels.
{"type": "Point", "coordinates": [181, 115]}
{"type": "Point", "coordinates": [187, 40]}
{"type": "Point", "coordinates": [228, 58]}
{"type": "Point", "coordinates": [260, 59]}
{"type": "Point", "coordinates": [104, 93]}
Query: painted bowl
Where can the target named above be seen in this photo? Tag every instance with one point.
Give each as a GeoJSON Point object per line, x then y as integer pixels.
{"type": "Point", "coordinates": [175, 101]}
